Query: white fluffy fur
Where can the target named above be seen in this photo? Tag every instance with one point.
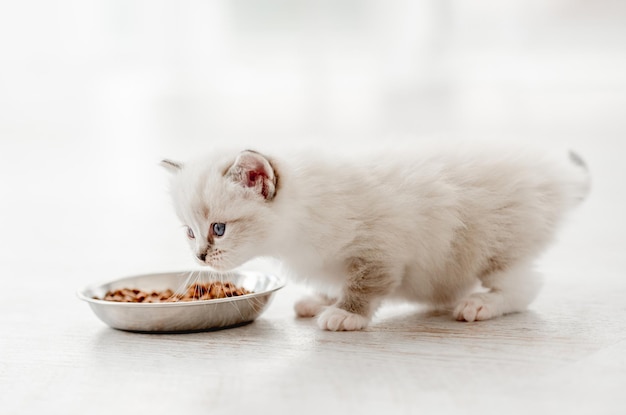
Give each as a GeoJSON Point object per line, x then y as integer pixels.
{"type": "Point", "coordinates": [424, 226]}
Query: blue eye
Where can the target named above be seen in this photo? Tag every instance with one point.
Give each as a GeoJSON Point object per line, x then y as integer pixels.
{"type": "Point", "coordinates": [190, 234]}
{"type": "Point", "coordinates": [219, 229]}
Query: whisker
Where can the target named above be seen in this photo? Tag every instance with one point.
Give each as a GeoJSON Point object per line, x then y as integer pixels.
{"type": "Point", "coordinates": [199, 282]}
{"type": "Point", "coordinates": [229, 276]}
{"type": "Point", "coordinates": [180, 290]}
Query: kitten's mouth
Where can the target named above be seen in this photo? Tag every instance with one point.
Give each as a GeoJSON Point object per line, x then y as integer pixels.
{"type": "Point", "coordinates": [210, 264]}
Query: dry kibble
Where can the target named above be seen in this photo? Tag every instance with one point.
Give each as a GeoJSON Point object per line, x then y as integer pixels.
{"type": "Point", "coordinates": [195, 291]}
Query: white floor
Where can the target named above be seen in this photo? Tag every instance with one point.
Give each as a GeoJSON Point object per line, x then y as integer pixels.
{"type": "Point", "coordinates": [92, 99]}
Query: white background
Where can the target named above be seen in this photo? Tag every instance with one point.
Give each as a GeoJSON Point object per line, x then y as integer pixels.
{"type": "Point", "coordinates": [94, 93]}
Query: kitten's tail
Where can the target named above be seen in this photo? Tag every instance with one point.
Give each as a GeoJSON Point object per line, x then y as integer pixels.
{"type": "Point", "coordinates": [581, 185]}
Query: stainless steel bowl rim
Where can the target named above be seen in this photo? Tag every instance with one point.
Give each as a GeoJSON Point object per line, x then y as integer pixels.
{"type": "Point", "coordinates": [80, 293]}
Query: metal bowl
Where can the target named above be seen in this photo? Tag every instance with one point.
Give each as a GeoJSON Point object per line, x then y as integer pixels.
{"type": "Point", "coordinates": [188, 316]}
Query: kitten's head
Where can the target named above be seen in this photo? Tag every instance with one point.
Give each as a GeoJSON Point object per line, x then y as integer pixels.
{"type": "Point", "coordinates": [225, 205]}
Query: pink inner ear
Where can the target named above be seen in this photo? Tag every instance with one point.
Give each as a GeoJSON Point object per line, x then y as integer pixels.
{"type": "Point", "coordinates": [252, 170]}
{"type": "Point", "coordinates": [252, 176]}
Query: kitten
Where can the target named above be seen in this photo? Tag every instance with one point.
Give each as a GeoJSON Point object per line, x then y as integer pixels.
{"type": "Point", "coordinates": [425, 227]}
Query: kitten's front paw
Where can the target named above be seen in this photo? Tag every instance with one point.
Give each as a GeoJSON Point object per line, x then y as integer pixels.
{"type": "Point", "coordinates": [309, 307]}
{"type": "Point", "coordinates": [336, 319]}
{"type": "Point", "coordinates": [477, 307]}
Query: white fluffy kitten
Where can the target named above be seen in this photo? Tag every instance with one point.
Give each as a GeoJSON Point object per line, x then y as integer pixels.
{"type": "Point", "coordinates": [426, 227]}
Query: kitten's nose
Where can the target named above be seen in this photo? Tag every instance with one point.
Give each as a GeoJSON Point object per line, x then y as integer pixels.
{"type": "Point", "coordinates": [202, 256]}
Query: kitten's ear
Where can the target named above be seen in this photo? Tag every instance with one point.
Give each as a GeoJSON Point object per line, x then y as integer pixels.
{"type": "Point", "coordinates": [254, 171]}
{"type": "Point", "coordinates": [171, 166]}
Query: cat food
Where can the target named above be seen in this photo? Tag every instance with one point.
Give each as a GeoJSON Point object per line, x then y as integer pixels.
{"type": "Point", "coordinates": [195, 291]}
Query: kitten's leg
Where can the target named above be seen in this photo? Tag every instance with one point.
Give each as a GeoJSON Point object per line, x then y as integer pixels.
{"type": "Point", "coordinates": [367, 283]}
{"type": "Point", "coordinates": [313, 305]}
{"type": "Point", "coordinates": [510, 291]}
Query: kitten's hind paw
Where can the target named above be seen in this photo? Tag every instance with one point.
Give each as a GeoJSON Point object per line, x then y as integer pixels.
{"type": "Point", "coordinates": [477, 307]}
{"type": "Point", "coordinates": [336, 319]}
